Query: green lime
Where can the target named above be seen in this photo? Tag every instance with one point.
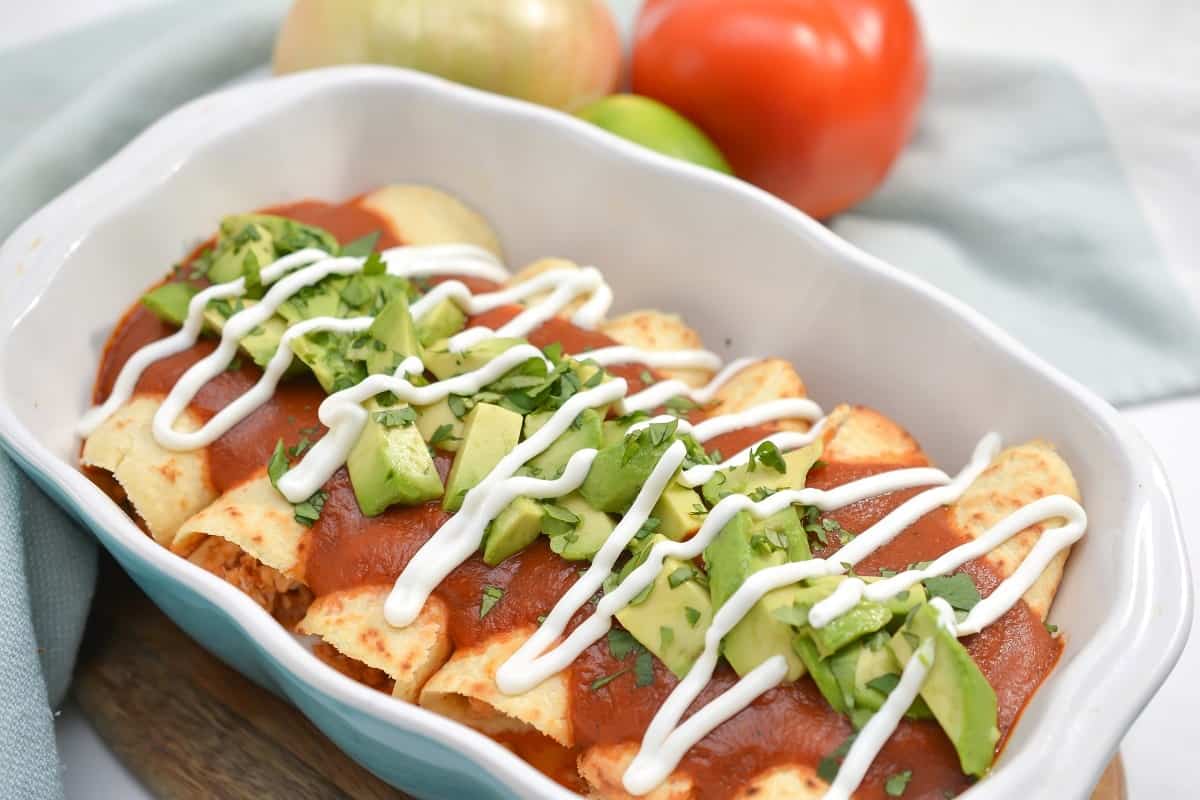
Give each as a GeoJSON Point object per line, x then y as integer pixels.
{"type": "Point", "coordinates": [654, 125]}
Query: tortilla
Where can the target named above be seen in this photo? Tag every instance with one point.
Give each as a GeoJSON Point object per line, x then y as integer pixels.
{"type": "Point", "coordinates": [424, 215]}
{"type": "Point", "coordinates": [603, 766]}
{"type": "Point", "coordinates": [655, 330]}
{"type": "Point", "coordinates": [465, 690]}
{"type": "Point", "coordinates": [164, 487]}
{"type": "Point", "coordinates": [255, 517]}
{"type": "Point", "coordinates": [352, 622]}
{"type": "Point", "coordinates": [1019, 476]}
{"type": "Point", "coordinates": [861, 435]}
{"type": "Point", "coordinates": [792, 781]}
{"type": "Point", "coordinates": [761, 382]}
{"type": "Point", "coordinates": [531, 271]}
{"type": "Point", "coordinates": [282, 597]}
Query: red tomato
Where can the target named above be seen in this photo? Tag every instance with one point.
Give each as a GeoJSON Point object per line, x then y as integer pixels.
{"type": "Point", "coordinates": [809, 99]}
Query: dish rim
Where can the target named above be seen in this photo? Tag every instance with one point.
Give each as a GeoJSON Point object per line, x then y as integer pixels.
{"type": "Point", "coordinates": [168, 143]}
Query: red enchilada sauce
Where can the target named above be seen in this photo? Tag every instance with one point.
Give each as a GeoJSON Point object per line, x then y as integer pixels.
{"type": "Point", "coordinates": [791, 724]}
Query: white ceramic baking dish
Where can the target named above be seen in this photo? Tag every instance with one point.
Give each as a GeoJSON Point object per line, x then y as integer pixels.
{"type": "Point", "coordinates": [754, 275]}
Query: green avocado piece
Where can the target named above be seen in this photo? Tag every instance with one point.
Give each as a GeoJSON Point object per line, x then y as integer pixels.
{"type": "Point", "coordinates": [432, 418]}
{"type": "Point", "coordinates": [491, 432]}
{"type": "Point", "coordinates": [876, 668]}
{"type": "Point", "coordinates": [676, 512]}
{"type": "Point", "coordinates": [961, 699]}
{"type": "Point", "coordinates": [865, 618]}
{"type": "Point", "coordinates": [579, 538]}
{"type": "Point", "coordinates": [169, 301]}
{"type": "Point", "coordinates": [727, 558]}
{"type": "Point", "coordinates": [288, 235]}
{"type": "Point", "coordinates": [620, 469]}
{"type": "Point", "coordinates": [325, 353]}
{"type": "Point", "coordinates": [672, 620]}
{"type": "Point", "coordinates": [261, 343]}
{"type": "Point", "coordinates": [760, 635]}
{"type": "Point", "coordinates": [390, 464]}
{"type": "Point", "coordinates": [615, 430]}
{"type": "Point", "coordinates": [584, 433]}
{"type": "Point", "coordinates": [390, 339]}
{"type": "Point", "coordinates": [513, 529]}
{"type": "Point", "coordinates": [241, 242]}
{"type": "Point", "coordinates": [441, 322]}
{"type": "Point", "coordinates": [745, 478]}
{"type": "Point", "coordinates": [821, 671]}
{"type": "Point", "coordinates": [445, 364]}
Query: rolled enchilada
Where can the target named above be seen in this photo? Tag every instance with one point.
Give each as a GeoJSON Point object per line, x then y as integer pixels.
{"type": "Point", "coordinates": [393, 557]}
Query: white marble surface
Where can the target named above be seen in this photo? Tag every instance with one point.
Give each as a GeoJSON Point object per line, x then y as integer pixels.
{"type": "Point", "coordinates": [1152, 40]}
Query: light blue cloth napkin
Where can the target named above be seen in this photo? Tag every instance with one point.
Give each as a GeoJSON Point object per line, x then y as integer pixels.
{"type": "Point", "coordinates": [68, 103]}
{"type": "Point", "coordinates": [1009, 197]}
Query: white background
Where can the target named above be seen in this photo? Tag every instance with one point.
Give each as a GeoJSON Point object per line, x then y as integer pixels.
{"type": "Point", "coordinates": [1142, 65]}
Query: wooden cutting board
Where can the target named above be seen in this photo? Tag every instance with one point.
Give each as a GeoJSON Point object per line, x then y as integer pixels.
{"type": "Point", "coordinates": [187, 725]}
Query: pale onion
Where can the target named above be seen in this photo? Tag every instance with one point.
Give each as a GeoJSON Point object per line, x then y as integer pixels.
{"type": "Point", "coordinates": [561, 53]}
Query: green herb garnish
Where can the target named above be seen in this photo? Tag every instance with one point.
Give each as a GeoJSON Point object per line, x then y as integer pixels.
{"type": "Point", "coordinates": [491, 596]}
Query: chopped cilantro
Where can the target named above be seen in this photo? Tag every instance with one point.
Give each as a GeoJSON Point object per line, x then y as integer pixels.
{"type": "Point", "coordinates": [795, 615]}
{"type": "Point", "coordinates": [1051, 629]}
{"type": "Point", "coordinates": [648, 527]}
{"type": "Point", "coordinates": [374, 265]}
{"type": "Point", "coordinates": [491, 596]}
{"type": "Point", "coordinates": [400, 417]}
{"type": "Point", "coordinates": [444, 433]}
{"type": "Point", "coordinates": [884, 683]}
{"type": "Point", "coordinates": [827, 770]}
{"type": "Point", "coordinates": [458, 405]}
{"type": "Point", "coordinates": [300, 447]}
{"type": "Point", "coordinates": [666, 635]}
{"type": "Point", "coordinates": [601, 682]}
{"type": "Point", "coordinates": [692, 614]}
{"type": "Point", "coordinates": [679, 405]}
{"type": "Point", "coordinates": [643, 669]}
{"type": "Point", "coordinates": [646, 377]}
{"type": "Point", "coordinates": [553, 351]}
{"type": "Point", "coordinates": [278, 464]}
{"type": "Point", "coordinates": [896, 784]}
{"type": "Point", "coordinates": [681, 575]}
{"type": "Point", "coordinates": [958, 590]}
{"type": "Point", "coordinates": [309, 511]}
{"type": "Point", "coordinates": [768, 455]}
{"type": "Point", "coordinates": [621, 643]}
{"type": "Point", "coordinates": [362, 246]}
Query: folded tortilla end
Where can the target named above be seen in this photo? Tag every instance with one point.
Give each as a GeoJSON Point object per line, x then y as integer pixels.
{"type": "Point", "coordinates": [163, 487]}
{"type": "Point", "coordinates": [861, 435]}
{"type": "Point", "coordinates": [465, 690]}
{"type": "Point", "coordinates": [284, 598]}
{"type": "Point", "coordinates": [1020, 475]}
{"type": "Point", "coordinates": [352, 622]}
{"type": "Point", "coordinates": [655, 330]}
{"type": "Point", "coordinates": [603, 766]}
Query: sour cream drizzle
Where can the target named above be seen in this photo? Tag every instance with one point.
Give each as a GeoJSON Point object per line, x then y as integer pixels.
{"type": "Point", "coordinates": [666, 740]}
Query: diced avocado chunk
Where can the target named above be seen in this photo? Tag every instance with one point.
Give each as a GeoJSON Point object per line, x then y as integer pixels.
{"type": "Point", "coordinates": [676, 512]}
{"type": "Point", "coordinates": [390, 463]}
{"type": "Point", "coordinates": [432, 418]}
{"type": "Point", "coordinates": [490, 433]}
{"type": "Point", "coordinates": [821, 671]}
{"type": "Point", "coordinates": [584, 433]}
{"type": "Point", "coordinates": [344, 296]}
{"type": "Point", "coordinates": [441, 322]}
{"type": "Point", "coordinates": [238, 247]}
{"type": "Point", "coordinates": [513, 529]}
{"type": "Point", "coordinates": [746, 478]}
{"type": "Point", "coordinates": [390, 339]}
{"type": "Point", "coordinates": [760, 635]}
{"type": "Point", "coordinates": [673, 618]}
{"type": "Point", "coordinates": [727, 558]}
{"type": "Point", "coordinates": [445, 364]}
{"type": "Point", "coordinates": [169, 302]}
{"type": "Point", "coordinates": [325, 353]}
{"type": "Point", "coordinates": [961, 699]}
{"type": "Point", "coordinates": [865, 618]}
{"type": "Point", "coordinates": [615, 430]}
{"type": "Point", "coordinates": [620, 469]}
{"type": "Point", "coordinates": [579, 538]}
{"type": "Point", "coordinates": [261, 343]}
{"type": "Point", "coordinates": [288, 235]}
{"type": "Point", "coordinates": [877, 673]}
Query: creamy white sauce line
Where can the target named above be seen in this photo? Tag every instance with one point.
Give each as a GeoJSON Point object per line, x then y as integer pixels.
{"type": "Point", "coordinates": [665, 742]}
{"type": "Point", "coordinates": [529, 666]}
{"type": "Point", "coordinates": [461, 535]}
